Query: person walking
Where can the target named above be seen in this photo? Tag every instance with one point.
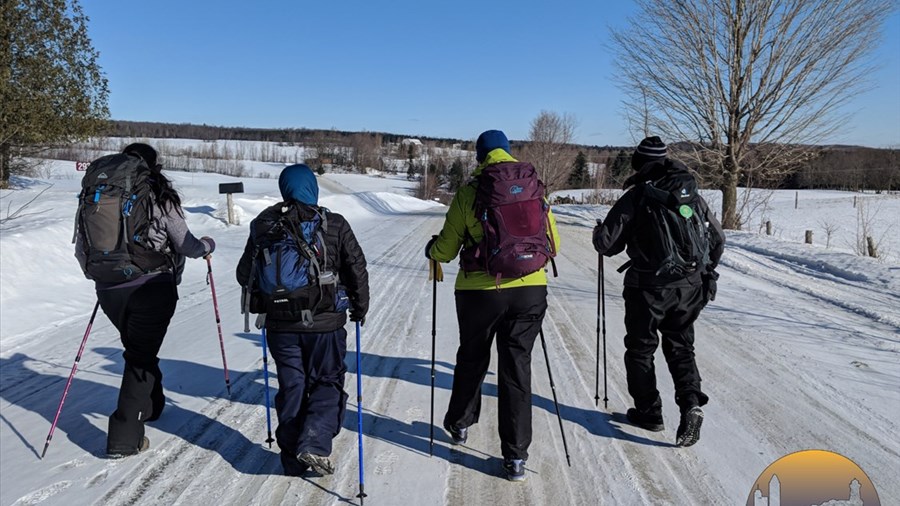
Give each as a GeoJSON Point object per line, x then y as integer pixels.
{"type": "Point", "coordinates": [494, 297]}
{"type": "Point", "coordinates": [674, 244]}
{"type": "Point", "coordinates": [307, 338]}
{"type": "Point", "coordinates": [140, 307]}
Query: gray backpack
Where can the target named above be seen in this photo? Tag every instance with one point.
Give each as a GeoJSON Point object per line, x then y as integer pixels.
{"type": "Point", "coordinates": [115, 210]}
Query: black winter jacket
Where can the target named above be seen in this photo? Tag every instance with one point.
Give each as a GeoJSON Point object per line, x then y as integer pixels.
{"type": "Point", "coordinates": [344, 257]}
{"type": "Point", "coordinates": [621, 231]}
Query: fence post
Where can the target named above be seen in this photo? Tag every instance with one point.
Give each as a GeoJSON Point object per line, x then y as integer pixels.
{"type": "Point", "coordinates": [768, 227]}
{"type": "Point", "coordinates": [873, 250]}
{"type": "Point", "coordinates": [796, 199]}
{"type": "Point", "coordinates": [809, 237]}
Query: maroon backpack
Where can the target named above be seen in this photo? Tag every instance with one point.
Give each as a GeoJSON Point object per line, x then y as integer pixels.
{"type": "Point", "coordinates": [510, 205]}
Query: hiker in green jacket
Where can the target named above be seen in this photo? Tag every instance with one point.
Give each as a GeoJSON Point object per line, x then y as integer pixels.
{"type": "Point", "coordinates": [497, 293]}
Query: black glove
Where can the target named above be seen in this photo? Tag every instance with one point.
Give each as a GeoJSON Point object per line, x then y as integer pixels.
{"type": "Point", "coordinates": [709, 286]}
{"type": "Point", "coordinates": [358, 316]}
{"type": "Point", "coordinates": [429, 245]}
{"type": "Point", "coordinates": [596, 237]}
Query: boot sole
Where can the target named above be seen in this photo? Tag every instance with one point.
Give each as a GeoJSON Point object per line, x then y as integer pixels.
{"type": "Point", "coordinates": [317, 463]}
{"type": "Point", "coordinates": [692, 431]}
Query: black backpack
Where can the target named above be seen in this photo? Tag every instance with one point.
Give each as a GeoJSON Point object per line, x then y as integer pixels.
{"type": "Point", "coordinates": [115, 210]}
{"type": "Point", "coordinates": [290, 278]}
{"type": "Point", "coordinates": [674, 226]}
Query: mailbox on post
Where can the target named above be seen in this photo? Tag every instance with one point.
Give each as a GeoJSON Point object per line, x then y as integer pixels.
{"type": "Point", "coordinates": [230, 188]}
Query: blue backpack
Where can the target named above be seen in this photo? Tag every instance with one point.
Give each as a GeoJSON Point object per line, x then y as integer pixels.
{"type": "Point", "coordinates": [290, 278]}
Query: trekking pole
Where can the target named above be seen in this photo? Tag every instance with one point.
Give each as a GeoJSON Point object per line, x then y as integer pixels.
{"type": "Point", "coordinates": [555, 402]}
{"type": "Point", "coordinates": [599, 310]}
{"type": "Point", "coordinates": [266, 375]}
{"type": "Point", "coordinates": [212, 286]}
{"type": "Point", "coordinates": [434, 268]}
{"type": "Point", "coordinates": [362, 481]}
{"type": "Point", "coordinates": [71, 375]}
{"type": "Point", "coordinates": [602, 317]}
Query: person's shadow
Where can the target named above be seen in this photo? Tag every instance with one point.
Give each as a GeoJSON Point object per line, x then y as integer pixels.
{"type": "Point", "coordinates": [416, 436]}
{"type": "Point", "coordinates": [40, 393]}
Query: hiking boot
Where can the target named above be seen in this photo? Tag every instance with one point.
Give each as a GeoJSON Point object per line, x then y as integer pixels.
{"type": "Point", "coordinates": [689, 427]}
{"type": "Point", "coordinates": [515, 469]}
{"type": "Point", "coordinates": [318, 463]}
{"type": "Point", "coordinates": [458, 435]}
{"type": "Point", "coordinates": [648, 421]}
{"type": "Point", "coordinates": [119, 452]}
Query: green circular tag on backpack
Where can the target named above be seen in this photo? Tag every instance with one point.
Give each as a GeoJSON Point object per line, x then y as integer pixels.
{"type": "Point", "coordinates": [686, 211]}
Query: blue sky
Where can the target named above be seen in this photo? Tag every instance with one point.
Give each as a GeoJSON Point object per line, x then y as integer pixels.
{"type": "Point", "coordinates": [436, 69]}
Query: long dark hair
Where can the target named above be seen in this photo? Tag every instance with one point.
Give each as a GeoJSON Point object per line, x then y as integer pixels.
{"type": "Point", "coordinates": [166, 195]}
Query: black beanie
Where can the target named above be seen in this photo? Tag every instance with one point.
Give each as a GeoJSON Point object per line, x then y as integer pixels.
{"type": "Point", "coordinates": [144, 151]}
{"type": "Point", "coordinates": [650, 149]}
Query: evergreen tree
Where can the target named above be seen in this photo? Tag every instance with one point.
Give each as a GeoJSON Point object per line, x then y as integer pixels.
{"type": "Point", "coordinates": [51, 87]}
{"type": "Point", "coordinates": [457, 175]}
{"type": "Point", "coordinates": [620, 168]}
{"type": "Point", "coordinates": [579, 177]}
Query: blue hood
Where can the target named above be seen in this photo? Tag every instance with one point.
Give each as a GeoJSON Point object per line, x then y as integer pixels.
{"type": "Point", "coordinates": [298, 182]}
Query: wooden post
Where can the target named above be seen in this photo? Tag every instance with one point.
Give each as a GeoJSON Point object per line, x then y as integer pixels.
{"type": "Point", "coordinates": [873, 251]}
{"type": "Point", "coordinates": [796, 199]}
{"type": "Point", "coordinates": [809, 237]}
{"type": "Point", "coordinates": [229, 188]}
{"type": "Point", "coordinates": [769, 227]}
{"type": "Point", "coordinates": [854, 202]}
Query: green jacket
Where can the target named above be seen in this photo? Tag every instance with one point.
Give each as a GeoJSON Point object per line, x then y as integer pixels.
{"type": "Point", "coordinates": [461, 217]}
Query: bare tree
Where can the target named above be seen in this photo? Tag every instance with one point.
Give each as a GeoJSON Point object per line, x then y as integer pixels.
{"type": "Point", "coordinates": [365, 150]}
{"type": "Point", "coordinates": [550, 149]}
{"type": "Point", "coordinates": [730, 76]}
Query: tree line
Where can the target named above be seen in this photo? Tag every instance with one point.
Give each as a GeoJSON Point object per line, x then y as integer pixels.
{"type": "Point", "coordinates": [745, 92]}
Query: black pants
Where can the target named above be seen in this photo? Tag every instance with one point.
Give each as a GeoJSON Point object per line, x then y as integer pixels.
{"type": "Point", "coordinates": [311, 400]}
{"type": "Point", "coordinates": [670, 312]}
{"type": "Point", "coordinates": [141, 314]}
{"type": "Point", "coordinates": [515, 316]}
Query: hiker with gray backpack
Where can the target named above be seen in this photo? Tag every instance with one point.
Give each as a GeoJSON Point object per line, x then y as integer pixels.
{"type": "Point", "coordinates": [131, 239]}
{"type": "Point", "coordinates": [501, 226]}
{"type": "Point", "coordinates": [301, 271]}
{"type": "Point", "coordinates": [674, 243]}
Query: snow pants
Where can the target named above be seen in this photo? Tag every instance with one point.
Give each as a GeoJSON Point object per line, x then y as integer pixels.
{"type": "Point", "coordinates": [514, 315]}
{"type": "Point", "coordinates": [311, 400]}
{"type": "Point", "coordinates": [141, 314]}
{"type": "Point", "coordinates": [670, 312]}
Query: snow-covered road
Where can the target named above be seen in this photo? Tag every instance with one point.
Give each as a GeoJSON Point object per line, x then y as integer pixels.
{"type": "Point", "coordinates": [794, 355]}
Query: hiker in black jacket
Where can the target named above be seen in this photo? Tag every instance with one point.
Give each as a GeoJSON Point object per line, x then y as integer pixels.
{"type": "Point", "coordinates": [658, 300]}
{"type": "Point", "coordinates": [309, 354]}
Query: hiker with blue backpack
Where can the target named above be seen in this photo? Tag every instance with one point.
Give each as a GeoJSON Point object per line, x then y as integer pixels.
{"type": "Point", "coordinates": [131, 239]}
{"type": "Point", "coordinates": [501, 226]}
{"type": "Point", "coordinates": [302, 270]}
{"type": "Point", "coordinates": [674, 243]}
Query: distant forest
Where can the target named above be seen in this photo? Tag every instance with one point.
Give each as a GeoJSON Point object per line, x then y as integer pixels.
{"type": "Point", "coordinates": [826, 167]}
